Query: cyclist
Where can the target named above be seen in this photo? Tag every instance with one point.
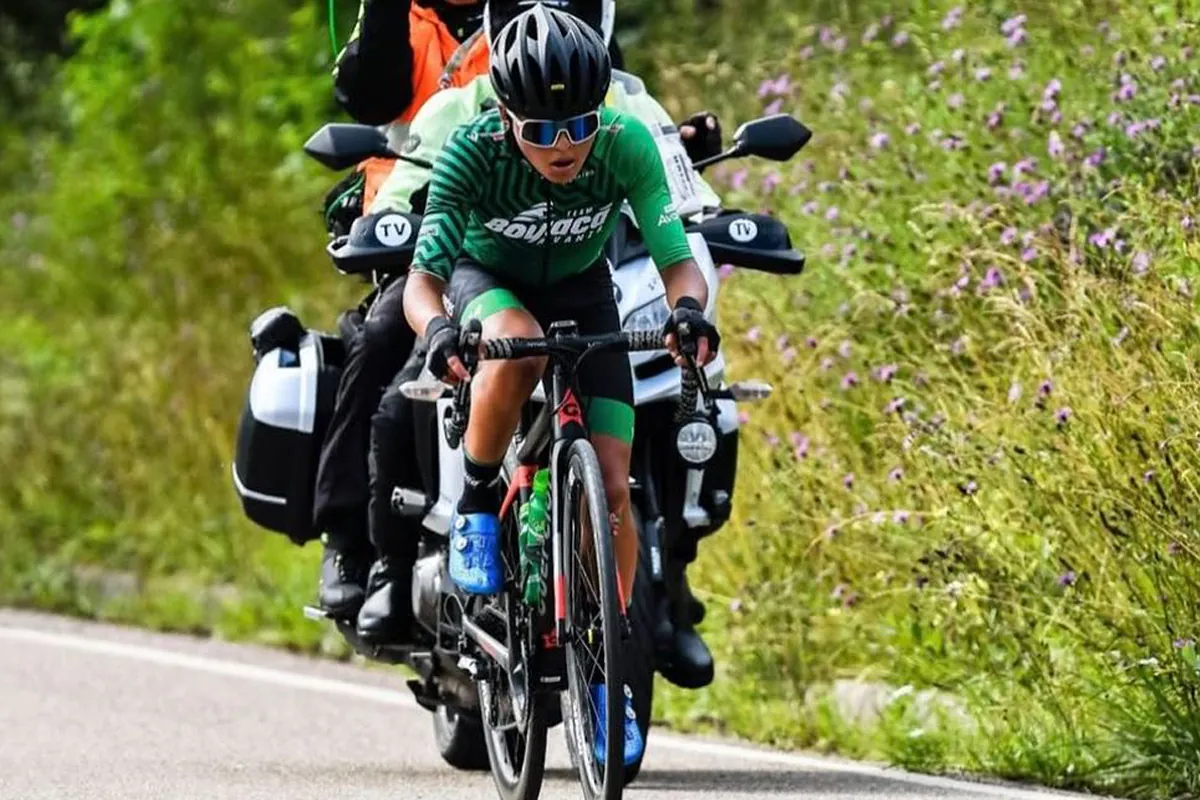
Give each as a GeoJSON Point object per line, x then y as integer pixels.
{"type": "Point", "coordinates": [521, 201]}
{"type": "Point", "coordinates": [400, 55]}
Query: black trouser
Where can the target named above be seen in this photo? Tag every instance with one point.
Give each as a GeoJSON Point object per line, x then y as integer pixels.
{"type": "Point", "coordinates": [375, 354]}
{"type": "Point", "coordinates": [395, 465]}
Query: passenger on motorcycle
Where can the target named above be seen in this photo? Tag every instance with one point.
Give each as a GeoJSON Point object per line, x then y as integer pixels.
{"type": "Point", "coordinates": [400, 54]}
{"type": "Point", "coordinates": [520, 204]}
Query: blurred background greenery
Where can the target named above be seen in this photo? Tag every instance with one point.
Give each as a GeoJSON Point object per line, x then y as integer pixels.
{"type": "Point", "coordinates": [966, 529]}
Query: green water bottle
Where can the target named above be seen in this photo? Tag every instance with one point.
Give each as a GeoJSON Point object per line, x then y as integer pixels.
{"type": "Point", "coordinates": [534, 521]}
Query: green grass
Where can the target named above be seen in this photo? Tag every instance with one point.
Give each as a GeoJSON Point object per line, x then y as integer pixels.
{"type": "Point", "coordinates": [1001, 505]}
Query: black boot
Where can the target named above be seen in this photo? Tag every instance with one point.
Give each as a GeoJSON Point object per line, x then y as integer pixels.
{"type": "Point", "coordinates": [387, 616]}
{"type": "Point", "coordinates": [343, 576]}
{"type": "Point", "coordinates": [686, 660]}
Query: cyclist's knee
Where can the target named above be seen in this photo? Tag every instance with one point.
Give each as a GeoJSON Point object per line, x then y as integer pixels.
{"type": "Point", "coordinates": [515, 323]}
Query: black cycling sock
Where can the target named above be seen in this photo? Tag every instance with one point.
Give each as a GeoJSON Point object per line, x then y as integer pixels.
{"type": "Point", "coordinates": [479, 487]}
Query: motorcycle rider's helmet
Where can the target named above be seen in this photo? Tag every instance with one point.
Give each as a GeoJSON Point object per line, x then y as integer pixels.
{"type": "Point", "coordinates": [547, 64]}
{"type": "Point", "coordinates": [599, 14]}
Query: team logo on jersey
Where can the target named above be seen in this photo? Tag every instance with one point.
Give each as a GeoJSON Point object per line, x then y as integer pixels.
{"type": "Point", "coordinates": [669, 214]}
{"type": "Point", "coordinates": [569, 226]}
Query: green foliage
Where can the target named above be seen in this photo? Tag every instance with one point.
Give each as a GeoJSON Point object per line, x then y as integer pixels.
{"type": "Point", "coordinates": [975, 480]}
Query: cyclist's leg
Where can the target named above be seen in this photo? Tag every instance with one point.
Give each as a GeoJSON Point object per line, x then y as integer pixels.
{"type": "Point", "coordinates": [607, 389]}
{"type": "Point", "coordinates": [498, 390]}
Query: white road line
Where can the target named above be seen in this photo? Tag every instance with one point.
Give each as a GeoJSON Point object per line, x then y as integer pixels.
{"type": "Point", "coordinates": [391, 697]}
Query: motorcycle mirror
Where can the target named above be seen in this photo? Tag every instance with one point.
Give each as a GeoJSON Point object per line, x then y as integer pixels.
{"type": "Point", "coordinates": [778, 137]}
{"type": "Point", "coordinates": [426, 391]}
{"type": "Point", "coordinates": [339, 145]}
{"type": "Point", "coordinates": [748, 391]}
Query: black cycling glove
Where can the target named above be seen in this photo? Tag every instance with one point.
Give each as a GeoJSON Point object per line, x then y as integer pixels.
{"type": "Point", "coordinates": [706, 141]}
{"type": "Point", "coordinates": [689, 325]}
{"type": "Point", "coordinates": [441, 336]}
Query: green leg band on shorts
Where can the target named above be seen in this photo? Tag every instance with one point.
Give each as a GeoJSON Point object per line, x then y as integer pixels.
{"type": "Point", "coordinates": [493, 301]}
{"type": "Point", "coordinates": [610, 418]}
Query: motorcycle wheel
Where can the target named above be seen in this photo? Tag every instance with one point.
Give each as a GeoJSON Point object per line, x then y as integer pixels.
{"type": "Point", "coordinates": [459, 739]}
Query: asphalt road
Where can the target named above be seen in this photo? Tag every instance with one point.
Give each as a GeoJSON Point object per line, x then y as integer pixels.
{"type": "Point", "coordinates": [94, 711]}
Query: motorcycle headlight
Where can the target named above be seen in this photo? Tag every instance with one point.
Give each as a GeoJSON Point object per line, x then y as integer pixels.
{"type": "Point", "coordinates": [650, 317]}
{"type": "Point", "coordinates": [696, 442]}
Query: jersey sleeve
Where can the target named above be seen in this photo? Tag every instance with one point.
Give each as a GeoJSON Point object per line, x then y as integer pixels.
{"type": "Point", "coordinates": [640, 171]}
{"type": "Point", "coordinates": [453, 191]}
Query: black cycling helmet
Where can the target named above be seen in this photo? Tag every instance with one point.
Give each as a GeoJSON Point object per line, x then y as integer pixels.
{"type": "Point", "coordinates": [601, 15]}
{"type": "Point", "coordinates": [547, 64]}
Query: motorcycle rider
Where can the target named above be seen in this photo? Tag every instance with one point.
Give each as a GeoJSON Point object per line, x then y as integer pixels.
{"type": "Point", "coordinates": [386, 616]}
{"type": "Point", "coordinates": [401, 53]}
{"type": "Point", "coordinates": [551, 140]}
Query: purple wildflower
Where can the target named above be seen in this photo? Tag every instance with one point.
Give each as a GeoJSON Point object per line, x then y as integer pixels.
{"type": "Point", "coordinates": [806, 52]}
{"type": "Point", "coordinates": [1067, 578]}
{"type": "Point", "coordinates": [1174, 549]}
{"type": "Point", "coordinates": [894, 405]}
{"type": "Point", "coordinates": [781, 342]}
{"type": "Point", "coordinates": [832, 213]}
{"type": "Point", "coordinates": [935, 68]}
{"type": "Point", "coordinates": [996, 172]}
{"type": "Point", "coordinates": [900, 39]}
{"type": "Point", "coordinates": [1017, 38]}
{"type": "Point", "coordinates": [958, 55]}
{"type": "Point", "coordinates": [1157, 63]}
{"type": "Point", "coordinates": [953, 18]}
{"type": "Point", "coordinates": [983, 74]}
{"type": "Point", "coordinates": [849, 381]}
{"type": "Point", "coordinates": [771, 181]}
{"type": "Point", "coordinates": [900, 517]}
{"type": "Point", "coordinates": [912, 128]}
{"type": "Point", "coordinates": [1046, 388]}
{"type": "Point", "coordinates": [1016, 70]}
{"type": "Point", "coordinates": [1141, 263]}
{"type": "Point", "coordinates": [991, 280]}
{"type": "Point", "coordinates": [1062, 415]}
{"type": "Point", "coordinates": [1148, 476]}
{"type": "Point", "coordinates": [1186, 223]}
{"type": "Point", "coordinates": [955, 100]}
{"type": "Point", "coordinates": [1095, 159]}
{"type": "Point", "coordinates": [996, 117]}
{"type": "Point", "coordinates": [1028, 254]}
{"type": "Point", "coordinates": [1023, 166]}
{"type": "Point", "coordinates": [772, 440]}
{"type": "Point", "coordinates": [848, 480]}
{"type": "Point", "coordinates": [826, 364]}
{"type": "Point", "coordinates": [885, 373]}
{"type": "Point", "coordinates": [1054, 145]}
{"type": "Point", "coordinates": [1103, 239]}
{"type": "Point", "coordinates": [845, 348]}
{"type": "Point", "coordinates": [1008, 235]}
{"type": "Point", "coordinates": [870, 33]}
{"type": "Point", "coordinates": [773, 107]}
{"type": "Point", "coordinates": [1184, 642]}
{"type": "Point", "coordinates": [811, 207]}
{"type": "Point", "coordinates": [753, 334]}
{"type": "Point", "coordinates": [879, 141]}
{"type": "Point", "coordinates": [811, 342]}
{"type": "Point", "coordinates": [1127, 91]}
{"type": "Point", "coordinates": [969, 488]}
{"type": "Point", "coordinates": [1011, 24]}
{"type": "Point", "coordinates": [799, 445]}
{"type": "Point", "coordinates": [724, 271]}
{"type": "Point", "coordinates": [738, 179]}
{"type": "Point", "coordinates": [959, 346]}
{"type": "Point", "coordinates": [896, 474]}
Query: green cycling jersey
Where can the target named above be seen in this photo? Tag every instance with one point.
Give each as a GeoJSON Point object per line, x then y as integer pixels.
{"type": "Point", "coordinates": [488, 203]}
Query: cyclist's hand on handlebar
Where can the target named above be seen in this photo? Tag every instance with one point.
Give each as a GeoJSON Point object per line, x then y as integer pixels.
{"type": "Point", "coordinates": [689, 333]}
{"type": "Point", "coordinates": [442, 336]}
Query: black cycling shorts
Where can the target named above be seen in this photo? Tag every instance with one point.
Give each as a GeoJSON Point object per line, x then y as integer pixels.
{"type": "Point", "coordinates": [587, 298]}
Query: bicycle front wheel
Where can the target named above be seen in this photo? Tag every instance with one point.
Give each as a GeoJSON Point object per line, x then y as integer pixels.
{"type": "Point", "coordinates": [593, 646]}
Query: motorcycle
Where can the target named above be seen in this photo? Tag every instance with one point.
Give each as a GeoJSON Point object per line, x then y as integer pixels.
{"type": "Point", "coordinates": [682, 476]}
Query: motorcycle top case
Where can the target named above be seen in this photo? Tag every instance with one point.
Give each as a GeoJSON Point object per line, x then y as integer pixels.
{"type": "Point", "coordinates": [282, 428]}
